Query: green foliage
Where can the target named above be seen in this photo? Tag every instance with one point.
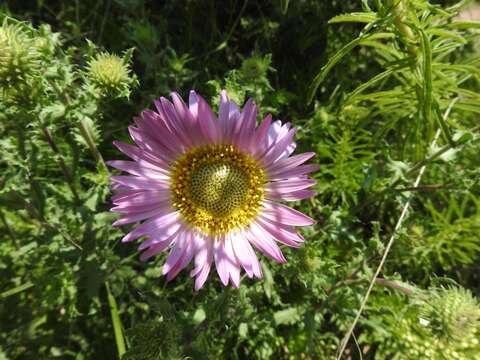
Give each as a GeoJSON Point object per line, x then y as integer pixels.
{"type": "Point", "coordinates": [369, 99]}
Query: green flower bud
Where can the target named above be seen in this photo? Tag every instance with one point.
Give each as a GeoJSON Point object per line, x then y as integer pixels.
{"type": "Point", "coordinates": [18, 55]}
{"type": "Point", "coordinates": [453, 313]}
{"type": "Point", "coordinates": [111, 74]}
{"type": "Point", "coordinates": [256, 68]}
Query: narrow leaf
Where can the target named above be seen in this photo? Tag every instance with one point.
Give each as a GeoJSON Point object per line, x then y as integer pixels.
{"type": "Point", "coordinates": [361, 17]}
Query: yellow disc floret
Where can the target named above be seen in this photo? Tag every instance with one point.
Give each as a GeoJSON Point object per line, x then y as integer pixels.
{"type": "Point", "coordinates": [217, 188]}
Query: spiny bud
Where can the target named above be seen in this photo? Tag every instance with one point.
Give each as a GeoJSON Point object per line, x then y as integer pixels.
{"type": "Point", "coordinates": [255, 68]}
{"type": "Point", "coordinates": [446, 326]}
{"type": "Point", "coordinates": [111, 74]}
{"type": "Point", "coordinates": [18, 55]}
{"type": "Point", "coordinates": [452, 313]}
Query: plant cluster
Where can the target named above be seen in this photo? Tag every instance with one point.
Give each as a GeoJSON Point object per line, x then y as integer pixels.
{"type": "Point", "coordinates": [381, 90]}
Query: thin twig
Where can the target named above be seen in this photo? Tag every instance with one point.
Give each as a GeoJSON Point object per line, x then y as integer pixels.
{"type": "Point", "coordinates": [431, 187]}
{"type": "Point", "coordinates": [396, 285]}
{"type": "Point", "coordinates": [390, 243]}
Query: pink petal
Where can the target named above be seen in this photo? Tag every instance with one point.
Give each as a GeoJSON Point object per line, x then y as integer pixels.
{"type": "Point", "coordinates": [245, 126]}
{"type": "Point", "coordinates": [289, 185]}
{"type": "Point", "coordinates": [178, 128]}
{"type": "Point", "coordinates": [203, 260]}
{"type": "Point", "coordinates": [245, 255]}
{"type": "Point", "coordinates": [280, 234]}
{"type": "Point", "coordinates": [157, 248]}
{"type": "Point", "coordinates": [141, 183]}
{"type": "Point", "coordinates": [146, 142]}
{"type": "Point", "coordinates": [232, 265]}
{"type": "Point", "coordinates": [289, 163]}
{"type": "Point", "coordinates": [185, 258]}
{"type": "Point", "coordinates": [201, 244]}
{"type": "Point", "coordinates": [147, 159]}
{"type": "Point", "coordinates": [161, 234]}
{"type": "Point", "coordinates": [276, 133]}
{"type": "Point", "coordinates": [158, 229]}
{"type": "Point", "coordinates": [285, 215]}
{"type": "Point", "coordinates": [295, 172]}
{"type": "Point", "coordinates": [134, 168]}
{"type": "Point", "coordinates": [207, 120]}
{"type": "Point", "coordinates": [140, 197]}
{"type": "Point", "coordinates": [140, 216]}
{"type": "Point", "coordinates": [221, 260]}
{"type": "Point", "coordinates": [292, 196]}
{"type": "Point", "coordinates": [264, 242]}
{"type": "Point", "coordinates": [138, 208]}
{"type": "Point", "coordinates": [153, 129]}
{"type": "Point", "coordinates": [223, 110]}
{"type": "Point", "coordinates": [278, 148]}
{"type": "Point", "coordinates": [177, 251]}
{"type": "Point", "coordinates": [259, 143]}
{"type": "Point", "coordinates": [228, 116]}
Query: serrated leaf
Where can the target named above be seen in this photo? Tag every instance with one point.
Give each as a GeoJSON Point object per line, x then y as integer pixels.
{"type": "Point", "coordinates": [52, 112]}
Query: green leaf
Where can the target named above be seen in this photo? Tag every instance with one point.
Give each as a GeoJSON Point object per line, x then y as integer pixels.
{"type": "Point", "coordinates": [464, 25]}
{"type": "Point", "coordinates": [243, 330]}
{"type": "Point", "coordinates": [199, 316]}
{"type": "Point", "coordinates": [427, 79]}
{"type": "Point", "coordinates": [327, 67]}
{"type": "Point", "coordinates": [468, 105]}
{"type": "Point", "coordinates": [284, 6]}
{"type": "Point", "coordinates": [287, 316]}
{"type": "Point", "coordinates": [268, 281]}
{"type": "Point", "coordinates": [16, 290]}
{"type": "Point", "coordinates": [116, 322]}
{"type": "Point", "coordinates": [336, 58]}
{"type": "Point", "coordinates": [447, 34]}
{"type": "Point", "coordinates": [361, 17]}
{"type": "Point", "coordinates": [52, 112]}
{"type": "Point", "coordinates": [369, 83]}
{"type": "Point", "coordinates": [464, 139]}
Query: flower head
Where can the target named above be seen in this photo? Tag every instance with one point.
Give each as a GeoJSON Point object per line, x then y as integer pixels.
{"type": "Point", "coordinates": [208, 188]}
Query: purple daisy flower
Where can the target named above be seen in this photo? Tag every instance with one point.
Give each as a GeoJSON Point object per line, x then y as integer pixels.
{"type": "Point", "coordinates": [208, 188]}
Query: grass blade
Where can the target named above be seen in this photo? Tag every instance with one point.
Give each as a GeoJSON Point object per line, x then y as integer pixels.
{"type": "Point", "coordinates": [16, 290]}
{"type": "Point", "coordinates": [116, 322]}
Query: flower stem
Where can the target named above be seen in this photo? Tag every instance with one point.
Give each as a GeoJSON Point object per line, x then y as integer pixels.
{"type": "Point", "coordinates": [86, 133]}
{"type": "Point", "coordinates": [116, 322]}
{"type": "Point", "coordinates": [400, 10]}
{"type": "Point", "coordinates": [63, 166]}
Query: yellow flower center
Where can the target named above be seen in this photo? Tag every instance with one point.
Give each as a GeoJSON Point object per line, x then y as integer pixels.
{"type": "Point", "coordinates": [217, 188]}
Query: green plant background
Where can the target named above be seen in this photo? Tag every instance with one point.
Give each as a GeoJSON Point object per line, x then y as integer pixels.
{"type": "Point", "coordinates": [367, 91]}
